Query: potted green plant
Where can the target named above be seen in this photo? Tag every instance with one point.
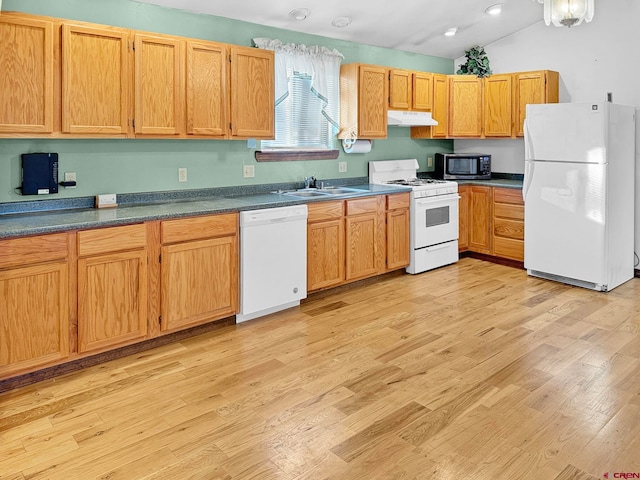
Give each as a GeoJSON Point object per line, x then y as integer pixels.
{"type": "Point", "coordinates": [477, 63]}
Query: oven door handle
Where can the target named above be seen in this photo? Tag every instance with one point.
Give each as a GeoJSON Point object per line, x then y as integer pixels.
{"type": "Point", "coordinates": [436, 199]}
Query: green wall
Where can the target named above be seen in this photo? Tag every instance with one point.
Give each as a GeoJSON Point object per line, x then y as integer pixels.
{"type": "Point", "coordinates": [127, 166]}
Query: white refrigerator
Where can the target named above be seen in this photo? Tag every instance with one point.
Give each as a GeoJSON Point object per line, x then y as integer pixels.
{"type": "Point", "coordinates": [579, 193]}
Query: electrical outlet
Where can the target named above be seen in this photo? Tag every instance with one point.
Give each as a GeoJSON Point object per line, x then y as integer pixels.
{"type": "Point", "coordinates": [248, 171]}
{"type": "Point", "coordinates": [70, 177]}
{"type": "Point", "coordinates": [429, 162]}
{"type": "Point", "coordinates": [342, 167]}
{"type": "Point", "coordinates": [182, 175]}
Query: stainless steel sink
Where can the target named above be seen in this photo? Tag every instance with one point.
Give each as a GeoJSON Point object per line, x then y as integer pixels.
{"type": "Point", "coordinates": [340, 190]}
{"type": "Point", "coordinates": [306, 193]}
{"type": "Point", "coordinates": [320, 192]}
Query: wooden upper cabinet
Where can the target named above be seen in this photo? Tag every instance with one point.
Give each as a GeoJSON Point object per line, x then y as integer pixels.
{"type": "Point", "coordinates": [534, 87]}
{"type": "Point", "coordinates": [498, 105]}
{"type": "Point", "coordinates": [465, 106]}
{"type": "Point", "coordinates": [252, 93]}
{"type": "Point", "coordinates": [206, 89]}
{"type": "Point", "coordinates": [439, 110]}
{"type": "Point", "coordinates": [372, 105]}
{"type": "Point", "coordinates": [26, 78]}
{"type": "Point", "coordinates": [422, 99]}
{"type": "Point", "coordinates": [159, 85]}
{"type": "Point", "coordinates": [364, 99]}
{"type": "Point", "coordinates": [400, 89]}
{"type": "Point", "coordinates": [95, 80]}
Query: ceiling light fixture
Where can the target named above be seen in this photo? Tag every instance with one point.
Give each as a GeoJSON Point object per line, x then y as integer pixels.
{"type": "Point", "coordinates": [451, 32]}
{"type": "Point", "coordinates": [494, 9]}
{"type": "Point", "coordinates": [567, 13]}
{"type": "Point", "coordinates": [341, 22]}
{"type": "Point", "coordinates": [300, 13]}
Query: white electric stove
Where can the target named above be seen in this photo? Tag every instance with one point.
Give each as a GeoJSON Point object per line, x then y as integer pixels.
{"type": "Point", "coordinates": [434, 213]}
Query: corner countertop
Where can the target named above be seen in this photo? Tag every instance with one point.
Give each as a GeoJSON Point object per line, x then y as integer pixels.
{"type": "Point", "coordinates": [145, 207]}
{"type": "Point", "coordinates": [494, 182]}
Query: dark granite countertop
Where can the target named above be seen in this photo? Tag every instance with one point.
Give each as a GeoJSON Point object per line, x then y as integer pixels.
{"type": "Point", "coordinates": [34, 218]}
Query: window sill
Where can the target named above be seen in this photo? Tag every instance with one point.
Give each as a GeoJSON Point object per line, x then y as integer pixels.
{"type": "Point", "coordinates": [275, 156]}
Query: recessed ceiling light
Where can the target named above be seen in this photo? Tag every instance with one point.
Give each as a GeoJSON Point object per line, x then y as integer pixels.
{"type": "Point", "coordinates": [341, 22]}
{"type": "Point", "coordinates": [494, 9]}
{"type": "Point", "coordinates": [299, 13]}
{"type": "Point", "coordinates": [451, 32]}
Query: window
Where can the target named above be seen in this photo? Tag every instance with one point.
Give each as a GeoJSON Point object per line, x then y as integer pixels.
{"type": "Point", "coordinates": [307, 110]}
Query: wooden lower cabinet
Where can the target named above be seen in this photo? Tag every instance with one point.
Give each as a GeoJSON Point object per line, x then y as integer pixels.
{"type": "Point", "coordinates": [480, 219]}
{"type": "Point", "coordinates": [34, 316]}
{"type": "Point", "coordinates": [35, 302]}
{"type": "Point", "coordinates": [112, 287]}
{"type": "Point", "coordinates": [199, 270]}
{"type": "Point", "coordinates": [508, 223]}
{"type": "Point", "coordinates": [492, 221]}
{"type": "Point", "coordinates": [361, 236]}
{"type": "Point", "coordinates": [463, 217]}
{"type": "Point", "coordinates": [325, 245]}
{"type": "Point", "coordinates": [398, 231]}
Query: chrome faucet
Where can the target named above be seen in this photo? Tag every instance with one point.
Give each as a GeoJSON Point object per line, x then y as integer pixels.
{"type": "Point", "coordinates": [310, 182]}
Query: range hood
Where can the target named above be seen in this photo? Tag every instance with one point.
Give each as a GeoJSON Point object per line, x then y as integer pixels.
{"type": "Point", "coordinates": [401, 118]}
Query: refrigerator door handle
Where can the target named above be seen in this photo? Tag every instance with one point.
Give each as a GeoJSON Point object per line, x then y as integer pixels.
{"type": "Point", "coordinates": [528, 175]}
{"type": "Point", "coordinates": [528, 164]}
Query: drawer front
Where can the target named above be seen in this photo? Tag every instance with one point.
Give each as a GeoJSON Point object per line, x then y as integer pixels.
{"type": "Point", "coordinates": [509, 210]}
{"type": "Point", "coordinates": [325, 211]}
{"type": "Point", "coordinates": [397, 201]}
{"type": "Point", "coordinates": [508, 195]}
{"type": "Point", "coordinates": [198, 228]}
{"type": "Point", "coordinates": [32, 250]}
{"type": "Point", "coordinates": [508, 229]}
{"type": "Point", "coordinates": [113, 239]}
{"type": "Point", "coordinates": [362, 205]}
{"type": "Point", "coordinates": [509, 248]}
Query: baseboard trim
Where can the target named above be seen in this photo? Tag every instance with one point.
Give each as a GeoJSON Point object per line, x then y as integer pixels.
{"type": "Point", "coordinates": [81, 363]}
{"type": "Point", "coordinates": [492, 259]}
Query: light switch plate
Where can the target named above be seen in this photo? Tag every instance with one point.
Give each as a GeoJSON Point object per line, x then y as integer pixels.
{"type": "Point", "coordinates": [182, 175]}
{"type": "Point", "coordinates": [342, 167]}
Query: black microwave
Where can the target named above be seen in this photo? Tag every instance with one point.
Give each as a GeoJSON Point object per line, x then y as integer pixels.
{"type": "Point", "coordinates": [463, 166]}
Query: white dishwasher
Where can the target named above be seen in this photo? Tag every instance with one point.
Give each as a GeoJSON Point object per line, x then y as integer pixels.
{"type": "Point", "coordinates": [273, 260]}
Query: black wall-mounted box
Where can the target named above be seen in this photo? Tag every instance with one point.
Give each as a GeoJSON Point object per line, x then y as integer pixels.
{"type": "Point", "coordinates": [39, 173]}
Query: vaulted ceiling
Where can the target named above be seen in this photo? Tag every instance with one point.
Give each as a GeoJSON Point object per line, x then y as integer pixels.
{"type": "Point", "coordinates": [410, 25]}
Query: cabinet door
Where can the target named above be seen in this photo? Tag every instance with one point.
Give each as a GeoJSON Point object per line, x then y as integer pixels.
{"type": "Point", "coordinates": [422, 91]}
{"type": "Point", "coordinates": [464, 218]}
{"type": "Point", "coordinates": [325, 254]}
{"type": "Point", "coordinates": [398, 238]}
{"type": "Point", "coordinates": [439, 112]}
{"type": "Point", "coordinates": [465, 106]}
{"type": "Point", "coordinates": [361, 246]}
{"type": "Point", "coordinates": [112, 299]}
{"type": "Point", "coordinates": [372, 102]}
{"type": "Point", "coordinates": [252, 93]}
{"type": "Point", "coordinates": [95, 80]}
{"type": "Point", "coordinates": [480, 227]}
{"type": "Point", "coordinates": [26, 78]}
{"type": "Point", "coordinates": [199, 282]}
{"type": "Point", "coordinates": [534, 87]}
{"type": "Point", "coordinates": [159, 85]}
{"type": "Point", "coordinates": [400, 88]}
{"type": "Point", "coordinates": [34, 316]}
{"type": "Point", "coordinates": [206, 89]}
{"type": "Point", "coordinates": [498, 106]}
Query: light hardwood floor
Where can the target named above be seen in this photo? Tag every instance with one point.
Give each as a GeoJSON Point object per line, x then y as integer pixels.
{"type": "Point", "coordinates": [469, 371]}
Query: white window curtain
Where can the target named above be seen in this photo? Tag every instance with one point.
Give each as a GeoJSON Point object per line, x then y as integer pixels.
{"type": "Point", "coordinates": [307, 92]}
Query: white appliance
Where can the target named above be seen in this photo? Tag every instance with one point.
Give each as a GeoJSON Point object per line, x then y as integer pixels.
{"type": "Point", "coordinates": [579, 193]}
{"type": "Point", "coordinates": [434, 213]}
{"type": "Point", "coordinates": [273, 260]}
{"type": "Point", "coordinates": [402, 118]}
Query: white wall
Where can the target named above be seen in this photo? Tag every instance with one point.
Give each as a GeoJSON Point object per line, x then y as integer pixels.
{"type": "Point", "coordinates": [592, 59]}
